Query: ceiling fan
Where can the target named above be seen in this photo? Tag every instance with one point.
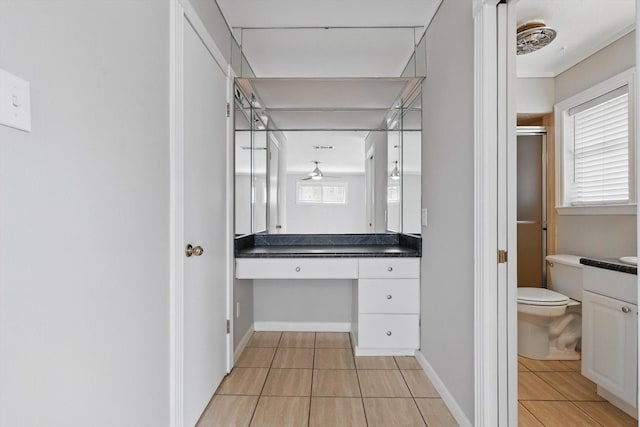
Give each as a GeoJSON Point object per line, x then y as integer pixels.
{"type": "Point", "coordinates": [316, 173]}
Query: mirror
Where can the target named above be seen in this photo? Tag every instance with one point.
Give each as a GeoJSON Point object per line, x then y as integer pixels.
{"type": "Point", "coordinates": [313, 155]}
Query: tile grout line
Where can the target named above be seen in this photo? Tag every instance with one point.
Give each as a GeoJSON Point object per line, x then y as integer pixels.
{"type": "Point", "coordinates": [265, 383]}
{"type": "Point", "coordinates": [364, 409]}
{"type": "Point", "coordinates": [551, 385]}
{"type": "Point", "coordinates": [532, 414]}
{"type": "Point", "coordinates": [413, 397]}
{"type": "Point", "coordinates": [584, 412]}
{"type": "Point", "coordinates": [313, 376]}
{"type": "Point", "coordinates": [572, 402]}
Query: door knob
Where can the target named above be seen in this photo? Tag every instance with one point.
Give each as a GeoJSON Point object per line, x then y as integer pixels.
{"type": "Point", "coordinates": [193, 250]}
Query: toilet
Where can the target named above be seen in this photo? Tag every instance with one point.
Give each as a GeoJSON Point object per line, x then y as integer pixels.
{"type": "Point", "coordinates": [550, 320]}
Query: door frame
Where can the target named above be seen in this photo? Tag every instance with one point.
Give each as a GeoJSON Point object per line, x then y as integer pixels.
{"type": "Point", "coordinates": [495, 319]}
{"type": "Point", "coordinates": [180, 10]}
{"type": "Point", "coordinates": [494, 405]}
{"type": "Point", "coordinates": [542, 132]}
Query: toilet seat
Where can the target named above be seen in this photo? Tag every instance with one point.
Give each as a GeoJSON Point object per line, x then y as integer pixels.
{"type": "Point", "coordinates": [541, 297]}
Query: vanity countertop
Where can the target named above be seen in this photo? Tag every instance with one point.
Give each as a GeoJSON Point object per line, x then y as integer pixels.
{"type": "Point", "coordinates": [327, 246]}
{"type": "Point", "coordinates": [610, 264]}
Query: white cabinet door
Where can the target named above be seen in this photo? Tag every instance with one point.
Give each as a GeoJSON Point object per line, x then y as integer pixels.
{"type": "Point", "coordinates": [609, 344]}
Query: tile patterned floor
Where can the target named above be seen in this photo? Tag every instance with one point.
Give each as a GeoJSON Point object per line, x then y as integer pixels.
{"type": "Point", "coordinates": [310, 379]}
{"type": "Point", "coordinates": [555, 394]}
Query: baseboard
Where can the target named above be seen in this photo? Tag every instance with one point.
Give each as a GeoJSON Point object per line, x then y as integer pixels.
{"type": "Point", "coordinates": [303, 326]}
{"type": "Point", "coordinates": [242, 344]}
{"type": "Point", "coordinates": [383, 351]}
{"type": "Point", "coordinates": [617, 402]}
{"type": "Point", "coordinates": [448, 399]}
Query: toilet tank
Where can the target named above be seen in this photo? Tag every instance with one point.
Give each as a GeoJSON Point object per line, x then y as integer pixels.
{"type": "Point", "coordinates": [565, 272]}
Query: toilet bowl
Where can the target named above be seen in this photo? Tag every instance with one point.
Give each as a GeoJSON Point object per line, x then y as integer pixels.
{"type": "Point", "coordinates": [549, 320]}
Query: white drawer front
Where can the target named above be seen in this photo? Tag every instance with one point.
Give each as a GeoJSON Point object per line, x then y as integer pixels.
{"type": "Point", "coordinates": [382, 268]}
{"type": "Point", "coordinates": [612, 284]}
{"type": "Point", "coordinates": [388, 331]}
{"type": "Point", "coordinates": [400, 296]}
{"type": "Point", "coordinates": [296, 268]}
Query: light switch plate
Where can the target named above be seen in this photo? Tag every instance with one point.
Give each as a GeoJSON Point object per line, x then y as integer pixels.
{"type": "Point", "coordinates": [424, 217]}
{"type": "Point", "coordinates": [15, 102]}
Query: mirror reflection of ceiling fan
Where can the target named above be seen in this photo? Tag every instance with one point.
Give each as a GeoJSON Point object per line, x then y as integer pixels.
{"type": "Point", "coordinates": [317, 174]}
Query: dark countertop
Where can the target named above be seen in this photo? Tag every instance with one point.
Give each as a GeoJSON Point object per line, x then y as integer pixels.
{"type": "Point", "coordinates": [610, 264]}
{"type": "Point", "coordinates": [328, 246]}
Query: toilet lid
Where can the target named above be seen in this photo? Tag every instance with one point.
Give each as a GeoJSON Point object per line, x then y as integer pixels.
{"type": "Point", "coordinates": [541, 296]}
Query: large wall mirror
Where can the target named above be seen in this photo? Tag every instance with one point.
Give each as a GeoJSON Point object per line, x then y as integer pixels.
{"type": "Point", "coordinates": [328, 155]}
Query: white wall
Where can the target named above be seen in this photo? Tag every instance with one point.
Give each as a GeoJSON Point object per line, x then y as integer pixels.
{"type": "Point", "coordinates": [447, 332]}
{"type": "Point", "coordinates": [302, 300]}
{"type": "Point", "coordinates": [242, 319]}
{"type": "Point", "coordinates": [605, 236]}
{"type": "Point", "coordinates": [411, 187]}
{"type": "Point", "coordinates": [84, 216]}
{"type": "Point", "coordinates": [535, 95]}
{"type": "Point", "coordinates": [613, 59]}
{"type": "Point", "coordinates": [349, 218]}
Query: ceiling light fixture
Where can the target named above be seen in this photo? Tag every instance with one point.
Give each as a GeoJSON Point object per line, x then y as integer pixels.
{"type": "Point", "coordinates": [532, 36]}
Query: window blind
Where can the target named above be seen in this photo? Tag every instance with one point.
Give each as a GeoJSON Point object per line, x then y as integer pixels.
{"type": "Point", "coordinates": [600, 133]}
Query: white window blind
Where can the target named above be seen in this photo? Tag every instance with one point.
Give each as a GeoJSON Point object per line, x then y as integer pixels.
{"type": "Point", "coordinates": [599, 130]}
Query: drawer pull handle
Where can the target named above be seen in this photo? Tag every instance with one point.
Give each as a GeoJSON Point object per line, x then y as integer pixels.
{"type": "Point", "coordinates": [297, 269]}
{"type": "Point", "coordinates": [388, 333]}
{"type": "Point", "coordinates": [626, 309]}
{"type": "Point", "coordinates": [389, 268]}
{"type": "Point", "coordinates": [389, 297]}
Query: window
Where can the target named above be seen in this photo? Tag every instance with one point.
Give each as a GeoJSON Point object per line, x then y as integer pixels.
{"type": "Point", "coordinates": [597, 140]}
{"type": "Point", "coordinates": [321, 193]}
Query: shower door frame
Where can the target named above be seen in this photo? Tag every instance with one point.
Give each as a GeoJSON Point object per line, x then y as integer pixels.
{"type": "Point", "coordinates": [542, 131]}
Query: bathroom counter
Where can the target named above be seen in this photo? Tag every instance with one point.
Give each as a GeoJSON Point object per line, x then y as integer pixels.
{"type": "Point", "coordinates": [327, 246]}
{"type": "Point", "coordinates": [610, 264]}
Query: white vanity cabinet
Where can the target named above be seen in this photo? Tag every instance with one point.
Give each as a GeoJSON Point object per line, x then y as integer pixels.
{"type": "Point", "coordinates": [387, 302]}
{"type": "Point", "coordinates": [385, 295]}
{"type": "Point", "coordinates": [610, 333]}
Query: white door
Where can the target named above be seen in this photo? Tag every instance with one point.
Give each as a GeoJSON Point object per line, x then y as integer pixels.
{"type": "Point", "coordinates": [204, 303]}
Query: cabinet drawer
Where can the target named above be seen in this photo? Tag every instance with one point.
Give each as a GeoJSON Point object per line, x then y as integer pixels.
{"type": "Point", "coordinates": [382, 268]}
{"type": "Point", "coordinates": [613, 284]}
{"type": "Point", "coordinates": [388, 331]}
{"type": "Point", "coordinates": [400, 296]}
{"type": "Point", "coordinates": [296, 268]}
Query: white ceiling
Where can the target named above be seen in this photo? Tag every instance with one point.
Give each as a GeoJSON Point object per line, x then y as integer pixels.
{"type": "Point", "coordinates": [583, 26]}
{"type": "Point", "coordinates": [275, 49]}
{"type": "Point", "coordinates": [336, 52]}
